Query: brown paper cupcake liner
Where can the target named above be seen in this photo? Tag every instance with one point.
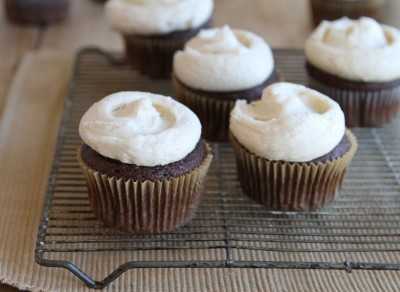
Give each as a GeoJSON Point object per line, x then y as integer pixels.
{"type": "Point", "coordinates": [36, 12]}
{"type": "Point", "coordinates": [212, 109]}
{"type": "Point", "coordinates": [213, 113]}
{"type": "Point", "coordinates": [147, 206]}
{"type": "Point", "coordinates": [291, 186]}
{"type": "Point", "coordinates": [363, 108]}
{"type": "Point", "coordinates": [153, 55]}
{"type": "Point", "coordinates": [334, 9]}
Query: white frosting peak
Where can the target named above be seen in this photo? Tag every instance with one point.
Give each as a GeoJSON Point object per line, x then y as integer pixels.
{"type": "Point", "coordinates": [217, 41]}
{"type": "Point", "coordinates": [158, 16]}
{"type": "Point", "coordinates": [223, 59]}
{"type": "Point", "coordinates": [360, 50]}
{"type": "Point", "coordinates": [290, 123]}
{"type": "Point", "coordinates": [348, 34]}
{"type": "Point", "coordinates": [140, 128]}
{"type": "Point", "coordinates": [144, 117]}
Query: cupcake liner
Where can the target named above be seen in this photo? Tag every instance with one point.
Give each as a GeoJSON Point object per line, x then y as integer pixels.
{"type": "Point", "coordinates": [334, 9]}
{"type": "Point", "coordinates": [213, 112]}
{"type": "Point", "coordinates": [147, 206]}
{"type": "Point", "coordinates": [153, 55]}
{"type": "Point", "coordinates": [363, 108]}
{"type": "Point", "coordinates": [36, 12]}
{"type": "Point", "coordinates": [291, 186]}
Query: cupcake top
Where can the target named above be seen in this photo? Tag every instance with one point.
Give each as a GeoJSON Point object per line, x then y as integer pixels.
{"type": "Point", "coordinates": [223, 59]}
{"type": "Point", "coordinates": [140, 128]}
{"type": "Point", "coordinates": [290, 123]}
{"type": "Point", "coordinates": [358, 50]}
{"type": "Point", "coordinates": [148, 17]}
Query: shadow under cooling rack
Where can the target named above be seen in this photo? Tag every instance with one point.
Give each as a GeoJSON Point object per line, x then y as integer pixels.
{"type": "Point", "coordinates": [360, 230]}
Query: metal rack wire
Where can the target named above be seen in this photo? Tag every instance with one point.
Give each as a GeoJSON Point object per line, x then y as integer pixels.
{"type": "Point", "coordinates": [360, 230]}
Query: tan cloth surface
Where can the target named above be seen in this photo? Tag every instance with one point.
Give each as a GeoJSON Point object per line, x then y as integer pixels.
{"type": "Point", "coordinates": [27, 136]}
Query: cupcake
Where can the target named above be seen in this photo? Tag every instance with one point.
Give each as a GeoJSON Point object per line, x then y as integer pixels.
{"type": "Point", "coordinates": [154, 30]}
{"type": "Point", "coordinates": [292, 147]}
{"type": "Point", "coordinates": [216, 68]}
{"type": "Point", "coordinates": [357, 63]}
{"type": "Point", "coordinates": [334, 9]}
{"type": "Point", "coordinates": [144, 161]}
{"type": "Point", "coordinates": [36, 11]}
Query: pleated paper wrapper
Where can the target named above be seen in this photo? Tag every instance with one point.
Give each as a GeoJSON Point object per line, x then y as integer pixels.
{"type": "Point", "coordinates": [153, 55]}
{"type": "Point", "coordinates": [335, 9]}
{"type": "Point", "coordinates": [214, 113]}
{"type": "Point", "coordinates": [363, 108]}
{"type": "Point", "coordinates": [148, 206]}
{"type": "Point", "coordinates": [291, 186]}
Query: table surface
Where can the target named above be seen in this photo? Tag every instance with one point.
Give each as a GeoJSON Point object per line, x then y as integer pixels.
{"type": "Point", "coordinates": [274, 20]}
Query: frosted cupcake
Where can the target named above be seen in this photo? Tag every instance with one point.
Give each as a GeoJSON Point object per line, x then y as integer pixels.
{"type": "Point", "coordinates": [216, 68]}
{"type": "Point", "coordinates": [154, 30]}
{"type": "Point", "coordinates": [144, 161]}
{"type": "Point", "coordinates": [357, 63]}
{"type": "Point", "coordinates": [292, 147]}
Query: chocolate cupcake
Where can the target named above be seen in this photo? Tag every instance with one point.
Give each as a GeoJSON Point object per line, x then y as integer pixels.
{"type": "Point", "coordinates": [334, 9]}
{"type": "Point", "coordinates": [357, 63]}
{"type": "Point", "coordinates": [216, 68]}
{"type": "Point", "coordinates": [154, 30]}
{"type": "Point", "coordinates": [36, 11]}
{"type": "Point", "coordinates": [292, 148]}
{"type": "Point", "coordinates": [144, 161]}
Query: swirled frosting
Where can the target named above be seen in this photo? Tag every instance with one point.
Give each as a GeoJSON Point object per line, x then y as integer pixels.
{"type": "Point", "coordinates": [158, 16]}
{"type": "Point", "coordinates": [358, 50]}
{"type": "Point", "coordinates": [222, 59]}
{"type": "Point", "coordinates": [140, 128]}
{"type": "Point", "coordinates": [290, 123]}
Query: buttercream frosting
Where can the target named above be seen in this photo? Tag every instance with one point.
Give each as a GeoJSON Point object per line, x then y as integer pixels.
{"type": "Point", "coordinates": [140, 128]}
{"type": "Point", "coordinates": [223, 59]}
{"type": "Point", "coordinates": [358, 50]}
{"type": "Point", "coordinates": [290, 123]}
{"type": "Point", "coordinates": [158, 16]}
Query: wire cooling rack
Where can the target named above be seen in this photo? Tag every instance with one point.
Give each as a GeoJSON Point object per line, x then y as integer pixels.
{"type": "Point", "coordinates": [360, 230]}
